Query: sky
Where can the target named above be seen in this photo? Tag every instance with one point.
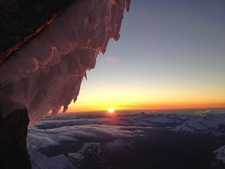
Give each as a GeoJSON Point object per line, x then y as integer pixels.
{"type": "Point", "coordinates": [171, 54]}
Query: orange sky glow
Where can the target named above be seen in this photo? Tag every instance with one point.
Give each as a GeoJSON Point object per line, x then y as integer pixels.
{"type": "Point", "coordinates": [136, 99]}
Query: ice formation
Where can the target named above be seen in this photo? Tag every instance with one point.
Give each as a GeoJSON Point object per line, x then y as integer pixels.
{"type": "Point", "coordinates": [47, 72]}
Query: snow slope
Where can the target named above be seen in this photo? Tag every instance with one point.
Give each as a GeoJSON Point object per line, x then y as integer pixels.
{"type": "Point", "coordinates": [220, 154]}
{"type": "Point", "coordinates": [204, 122]}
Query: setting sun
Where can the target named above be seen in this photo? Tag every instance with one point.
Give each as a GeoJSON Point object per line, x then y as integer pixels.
{"type": "Point", "coordinates": [111, 110]}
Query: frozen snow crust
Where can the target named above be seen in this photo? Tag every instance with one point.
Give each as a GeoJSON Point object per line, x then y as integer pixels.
{"type": "Point", "coordinates": [46, 74]}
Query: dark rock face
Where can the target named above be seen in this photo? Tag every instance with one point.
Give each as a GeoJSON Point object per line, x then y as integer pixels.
{"type": "Point", "coordinates": [13, 144]}
{"type": "Point", "coordinates": [19, 19]}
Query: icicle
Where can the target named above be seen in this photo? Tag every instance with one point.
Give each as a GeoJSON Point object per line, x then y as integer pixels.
{"type": "Point", "coordinates": [47, 72]}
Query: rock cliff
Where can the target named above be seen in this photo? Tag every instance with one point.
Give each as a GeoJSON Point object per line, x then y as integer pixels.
{"type": "Point", "coordinates": [13, 144]}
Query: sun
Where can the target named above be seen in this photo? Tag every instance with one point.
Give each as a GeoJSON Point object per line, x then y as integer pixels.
{"type": "Point", "coordinates": [111, 110]}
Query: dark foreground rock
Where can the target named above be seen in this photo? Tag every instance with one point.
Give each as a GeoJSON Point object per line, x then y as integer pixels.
{"type": "Point", "coordinates": [13, 144]}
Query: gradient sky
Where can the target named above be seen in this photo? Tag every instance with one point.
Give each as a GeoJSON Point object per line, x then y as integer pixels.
{"type": "Point", "coordinates": [171, 54]}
